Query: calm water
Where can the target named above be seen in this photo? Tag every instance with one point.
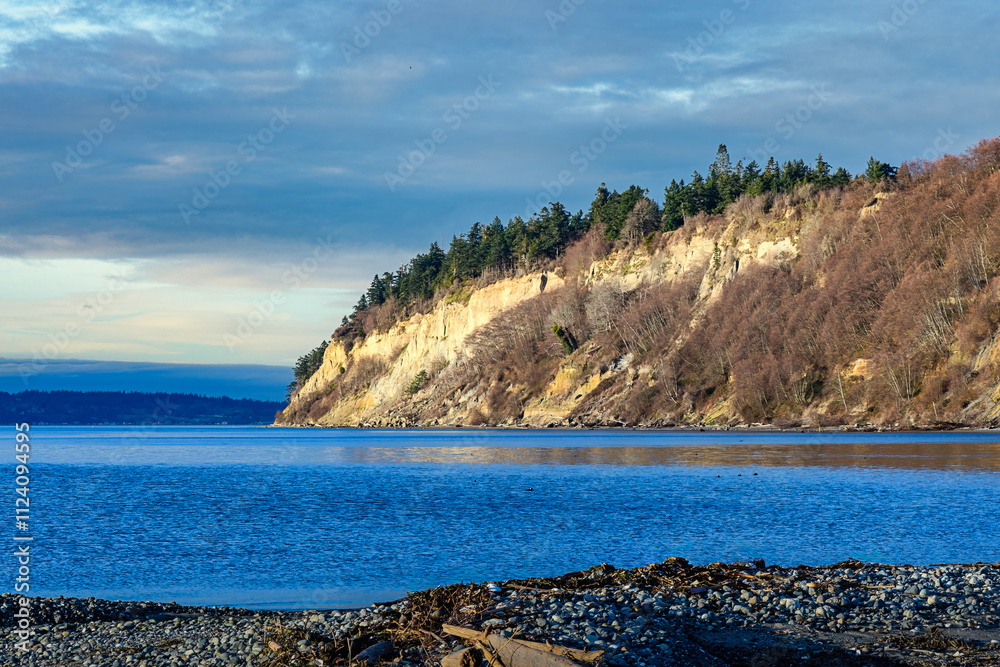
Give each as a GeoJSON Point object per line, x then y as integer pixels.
{"type": "Point", "coordinates": [304, 518]}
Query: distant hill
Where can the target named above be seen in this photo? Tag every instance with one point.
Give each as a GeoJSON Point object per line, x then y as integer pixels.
{"type": "Point", "coordinates": [119, 407]}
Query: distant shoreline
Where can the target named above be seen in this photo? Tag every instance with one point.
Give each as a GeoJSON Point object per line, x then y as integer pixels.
{"type": "Point", "coordinates": [133, 408]}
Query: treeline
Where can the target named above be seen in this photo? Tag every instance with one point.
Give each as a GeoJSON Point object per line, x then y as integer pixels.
{"type": "Point", "coordinates": [726, 183]}
{"type": "Point", "coordinates": [493, 249]}
{"type": "Point", "coordinates": [304, 368]}
{"type": "Point", "coordinates": [496, 249]}
{"type": "Point", "coordinates": [120, 407]}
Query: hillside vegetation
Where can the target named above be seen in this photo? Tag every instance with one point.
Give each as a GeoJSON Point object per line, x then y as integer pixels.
{"type": "Point", "coordinates": [824, 300]}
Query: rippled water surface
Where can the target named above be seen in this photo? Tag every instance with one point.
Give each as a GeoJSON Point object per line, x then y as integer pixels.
{"type": "Point", "coordinates": [308, 518]}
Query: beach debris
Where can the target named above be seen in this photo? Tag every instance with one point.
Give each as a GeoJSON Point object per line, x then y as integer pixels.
{"type": "Point", "coordinates": [458, 604]}
{"type": "Point", "coordinates": [510, 652]}
{"type": "Point", "coordinates": [933, 640]}
{"type": "Point", "coordinates": [289, 646]}
{"type": "Point", "coordinates": [513, 653]}
{"type": "Point", "coordinates": [467, 657]}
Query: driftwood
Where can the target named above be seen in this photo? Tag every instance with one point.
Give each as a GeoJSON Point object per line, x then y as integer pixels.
{"type": "Point", "coordinates": [491, 658]}
{"type": "Point", "coordinates": [522, 653]}
{"type": "Point", "coordinates": [467, 657]}
{"type": "Point", "coordinates": [574, 653]}
{"type": "Point", "coordinates": [515, 654]}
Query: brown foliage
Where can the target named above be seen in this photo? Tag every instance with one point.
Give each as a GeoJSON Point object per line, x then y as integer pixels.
{"type": "Point", "coordinates": [382, 317]}
{"type": "Point", "coordinates": [361, 374]}
{"type": "Point", "coordinates": [650, 318]}
{"type": "Point", "coordinates": [511, 358]}
{"type": "Point", "coordinates": [902, 287]}
{"type": "Point", "coordinates": [580, 256]}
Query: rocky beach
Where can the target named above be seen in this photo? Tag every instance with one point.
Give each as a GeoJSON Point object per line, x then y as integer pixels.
{"type": "Point", "coordinates": [670, 614]}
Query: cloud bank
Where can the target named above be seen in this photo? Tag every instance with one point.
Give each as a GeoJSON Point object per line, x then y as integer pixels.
{"type": "Point", "coordinates": [279, 123]}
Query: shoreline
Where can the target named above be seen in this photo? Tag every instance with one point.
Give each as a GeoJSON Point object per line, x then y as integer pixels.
{"type": "Point", "coordinates": [668, 614]}
{"type": "Point", "coordinates": [658, 429]}
{"type": "Point", "coordinates": [713, 428]}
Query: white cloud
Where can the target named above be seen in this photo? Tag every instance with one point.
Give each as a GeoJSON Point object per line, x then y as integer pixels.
{"type": "Point", "coordinates": [172, 165]}
{"type": "Point", "coordinates": [83, 21]}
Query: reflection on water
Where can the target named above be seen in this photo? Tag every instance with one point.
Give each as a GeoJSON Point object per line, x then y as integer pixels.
{"type": "Point", "coordinates": [917, 456]}
{"type": "Point", "coordinates": [248, 446]}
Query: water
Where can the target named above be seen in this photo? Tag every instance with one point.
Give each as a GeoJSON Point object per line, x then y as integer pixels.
{"type": "Point", "coordinates": [308, 518]}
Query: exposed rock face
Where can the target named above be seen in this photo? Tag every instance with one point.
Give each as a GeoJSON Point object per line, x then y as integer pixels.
{"type": "Point", "coordinates": [425, 342]}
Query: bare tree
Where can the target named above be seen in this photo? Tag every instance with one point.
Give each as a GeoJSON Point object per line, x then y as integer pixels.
{"type": "Point", "coordinates": [607, 300]}
{"type": "Point", "coordinates": [641, 220]}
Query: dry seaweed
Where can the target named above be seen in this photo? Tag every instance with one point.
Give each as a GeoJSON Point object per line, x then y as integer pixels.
{"type": "Point", "coordinates": [282, 647]}
{"type": "Point", "coordinates": [933, 640]}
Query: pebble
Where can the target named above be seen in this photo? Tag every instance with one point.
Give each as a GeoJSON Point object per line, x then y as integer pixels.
{"type": "Point", "coordinates": [636, 626]}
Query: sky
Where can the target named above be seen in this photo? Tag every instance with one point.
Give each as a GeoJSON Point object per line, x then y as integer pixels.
{"type": "Point", "coordinates": [215, 182]}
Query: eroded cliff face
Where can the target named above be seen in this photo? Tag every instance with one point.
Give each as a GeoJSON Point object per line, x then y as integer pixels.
{"type": "Point", "coordinates": [436, 343]}
{"type": "Point", "coordinates": [425, 343]}
{"type": "Point", "coordinates": [853, 306]}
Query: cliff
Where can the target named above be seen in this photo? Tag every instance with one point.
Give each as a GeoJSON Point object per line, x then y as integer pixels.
{"type": "Point", "coordinates": [863, 304]}
{"type": "Point", "coordinates": [386, 363]}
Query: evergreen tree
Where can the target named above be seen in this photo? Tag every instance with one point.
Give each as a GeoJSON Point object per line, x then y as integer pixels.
{"type": "Point", "coordinates": [879, 171]}
{"type": "Point", "coordinates": [821, 172]}
{"type": "Point", "coordinates": [496, 247]}
{"type": "Point", "coordinates": [598, 208]}
{"type": "Point", "coordinates": [517, 234]}
{"type": "Point", "coordinates": [673, 206]}
{"type": "Point", "coordinates": [308, 364]}
{"type": "Point", "coordinates": [841, 177]}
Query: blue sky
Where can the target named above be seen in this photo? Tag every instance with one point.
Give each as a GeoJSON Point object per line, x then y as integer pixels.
{"type": "Point", "coordinates": [214, 182]}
